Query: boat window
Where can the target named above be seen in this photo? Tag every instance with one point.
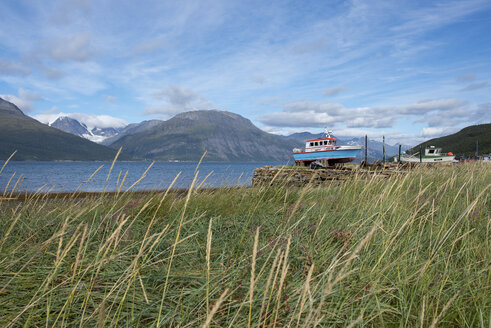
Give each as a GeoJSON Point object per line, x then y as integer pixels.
{"type": "Point", "coordinates": [431, 151]}
{"type": "Point", "coordinates": [325, 142]}
{"type": "Point", "coordinates": [311, 144]}
{"type": "Point", "coordinates": [316, 143]}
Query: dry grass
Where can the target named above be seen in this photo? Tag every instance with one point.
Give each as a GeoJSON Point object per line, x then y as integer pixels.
{"type": "Point", "coordinates": [412, 250]}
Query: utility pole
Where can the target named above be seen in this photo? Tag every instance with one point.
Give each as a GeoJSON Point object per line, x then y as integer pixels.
{"type": "Point", "coordinates": [399, 158]}
{"type": "Point", "coordinates": [366, 149]}
{"type": "Point", "coordinates": [421, 154]}
{"type": "Point", "coordinates": [477, 149]}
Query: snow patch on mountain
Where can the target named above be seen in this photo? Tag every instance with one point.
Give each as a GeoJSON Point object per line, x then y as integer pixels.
{"type": "Point", "coordinates": [97, 127]}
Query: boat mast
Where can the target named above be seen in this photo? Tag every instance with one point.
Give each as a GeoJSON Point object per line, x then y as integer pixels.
{"type": "Point", "coordinates": [327, 132]}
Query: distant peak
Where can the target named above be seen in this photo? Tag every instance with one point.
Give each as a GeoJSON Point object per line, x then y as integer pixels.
{"type": "Point", "coordinates": [67, 120]}
{"type": "Point", "coordinates": [64, 119]}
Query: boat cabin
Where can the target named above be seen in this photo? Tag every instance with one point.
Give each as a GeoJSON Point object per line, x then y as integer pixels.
{"type": "Point", "coordinates": [433, 151]}
{"type": "Point", "coordinates": [320, 144]}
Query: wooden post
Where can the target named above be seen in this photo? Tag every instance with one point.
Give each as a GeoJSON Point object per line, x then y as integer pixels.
{"type": "Point", "coordinates": [399, 158]}
{"type": "Point", "coordinates": [383, 149]}
{"type": "Point", "coordinates": [477, 149]}
{"type": "Point", "coordinates": [366, 149]}
{"type": "Point", "coordinates": [421, 154]}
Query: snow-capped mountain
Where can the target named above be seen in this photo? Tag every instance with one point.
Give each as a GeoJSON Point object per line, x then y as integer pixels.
{"type": "Point", "coordinates": [94, 133]}
{"type": "Point", "coordinates": [70, 125]}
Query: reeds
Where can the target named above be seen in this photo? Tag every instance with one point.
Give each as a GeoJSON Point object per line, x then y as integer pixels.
{"type": "Point", "coordinates": [411, 250]}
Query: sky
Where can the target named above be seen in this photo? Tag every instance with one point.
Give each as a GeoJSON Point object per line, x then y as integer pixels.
{"type": "Point", "coordinates": [409, 70]}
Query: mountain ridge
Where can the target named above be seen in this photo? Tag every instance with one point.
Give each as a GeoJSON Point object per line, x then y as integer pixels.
{"type": "Point", "coordinates": [225, 136]}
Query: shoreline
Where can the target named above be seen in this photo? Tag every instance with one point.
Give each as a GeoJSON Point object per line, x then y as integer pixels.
{"type": "Point", "coordinates": [22, 197]}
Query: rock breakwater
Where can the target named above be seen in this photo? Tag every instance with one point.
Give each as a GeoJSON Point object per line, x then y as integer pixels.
{"type": "Point", "coordinates": [302, 176]}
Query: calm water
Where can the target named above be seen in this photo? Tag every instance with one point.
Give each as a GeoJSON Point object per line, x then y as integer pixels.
{"type": "Point", "coordinates": [70, 176]}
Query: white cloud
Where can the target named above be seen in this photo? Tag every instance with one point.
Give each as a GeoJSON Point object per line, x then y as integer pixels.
{"type": "Point", "coordinates": [52, 73]}
{"type": "Point", "coordinates": [25, 99]}
{"type": "Point", "coordinates": [390, 136]}
{"type": "Point", "coordinates": [111, 98]}
{"type": "Point", "coordinates": [319, 114]}
{"type": "Point", "coordinates": [71, 10]}
{"type": "Point", "coordinates": [52, 110]}
{"type": "Point", "coordinates": [258, 79]}
{"type": "Point", "coordinates": [468, 77]}
{"type": "Point", "coordinates": [312, 106]}
{"type": "Point", "coordinates": [177, 99]}
{"type": "Point", "coordinates": [149, 46]}
{"type": "Point", "coordinates": [29, 95]}
{"type": "Point", "coordinates": [425, 106]}
{"type": "Point", "coordinates": [308, 47]}
{"type": "Point", "coordinates": [265, 101]}
{"type": "Point", "coordinates": [76, 48]}
{"type": "Point", "coordinates": [85, 84]}
{"type": "Point", "coordinates": [433, 132]}
{"type": "Point", "coordinates": [481, 115]}
{"type": "Point", "coordinates": [371, 121]}
{"type": "Point", "coordinates": [90, 120]}
{"type": "Point", "coordinates": [437, 15]}
{"type": "Point", "coordinates": [10, 68]}
{"type": "Point", "coordinates": [297, 119]}
{"type": "Point", "coordinates": [475, 86]}
{"type": "Point", "coordinates": [334, 91]}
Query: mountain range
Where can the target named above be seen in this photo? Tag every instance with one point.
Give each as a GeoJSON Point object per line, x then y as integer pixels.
{"type": "Point", "coordinates": [96, 134]}
{"type": "Point", "coordinates": [153, 139]}
{"type": "Point", "coordinates": [223, 135]}
{"type": "Point", "coordinates": [38, 142]}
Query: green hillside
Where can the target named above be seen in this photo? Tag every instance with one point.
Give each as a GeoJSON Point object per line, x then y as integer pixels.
{"type": "Point", "coordinates": [38, 142]}
{"type": "Point", "coordinates": [223, 135]}
{"type": "Point", "coordinates": [463, 143]}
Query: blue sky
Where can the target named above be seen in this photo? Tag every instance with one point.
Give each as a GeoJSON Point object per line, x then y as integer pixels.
{"type": "Point", "coordinates": [409, 70]}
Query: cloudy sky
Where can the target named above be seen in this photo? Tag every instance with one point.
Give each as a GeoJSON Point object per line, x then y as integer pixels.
{"type": "Point", "coordinates": [410, 70]}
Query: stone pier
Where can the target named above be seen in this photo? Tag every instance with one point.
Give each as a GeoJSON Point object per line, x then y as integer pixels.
{"type": "Point", "coordinates": [302, 176]}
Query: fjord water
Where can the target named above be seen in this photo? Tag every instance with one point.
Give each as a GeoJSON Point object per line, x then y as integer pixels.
{"type": "Point", "coordinates": [72, 176]}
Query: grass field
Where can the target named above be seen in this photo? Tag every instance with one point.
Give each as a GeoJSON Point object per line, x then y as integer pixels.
{"type": "Point", "coordinates": [413, 250]}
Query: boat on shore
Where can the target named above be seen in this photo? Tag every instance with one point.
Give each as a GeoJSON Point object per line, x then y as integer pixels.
{"type": "Point", "coordinates": [325, 151]}
{"type": "Point", "coordinates": [432, 154]}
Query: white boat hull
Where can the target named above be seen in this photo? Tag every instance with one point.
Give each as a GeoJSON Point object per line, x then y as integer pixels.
{"type": "Point", "coordinates": [442, 159]}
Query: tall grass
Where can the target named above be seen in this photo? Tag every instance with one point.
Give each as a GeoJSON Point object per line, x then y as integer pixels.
{"type": "Point", "coordinates": [413, 250]}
